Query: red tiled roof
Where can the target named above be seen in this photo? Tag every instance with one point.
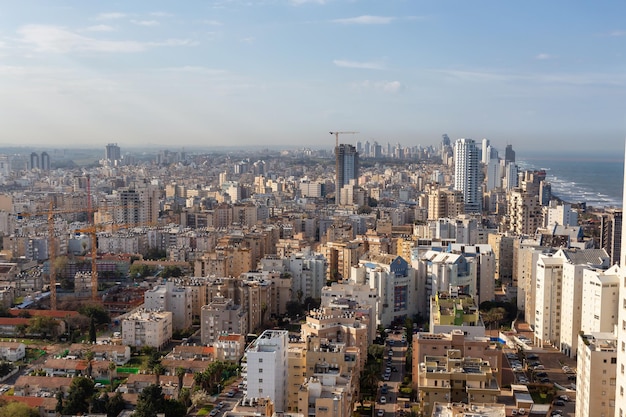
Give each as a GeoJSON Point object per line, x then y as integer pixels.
{"type": "Point", "coordinates": [231, 337]}
{"type": "Point", "coordinates": [58, 314]}
{"type": "Point", "coordinates": [13, 321]}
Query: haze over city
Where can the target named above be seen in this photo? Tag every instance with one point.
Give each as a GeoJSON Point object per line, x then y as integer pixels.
{"type": "Point", "coordinates": [285, 72]}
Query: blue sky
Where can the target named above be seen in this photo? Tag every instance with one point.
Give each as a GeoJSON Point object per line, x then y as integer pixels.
{"type": "Point", "coordinates": [286, 72]}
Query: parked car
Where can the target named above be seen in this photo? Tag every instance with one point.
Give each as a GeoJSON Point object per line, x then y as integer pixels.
{"type": "Point", "coordinates": [559, 403]}
{"type": "Point", "coordinates": [563, 397]}
{"type": "Point", "coordinates": [383, 400]}
{"type": "Point", "coordinates": [380, 412]}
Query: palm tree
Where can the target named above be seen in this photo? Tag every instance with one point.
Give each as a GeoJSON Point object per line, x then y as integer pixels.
{"type": "Point", "coordinates": [180, 373]}
{"type": "Point", "coordinates": [112, 368]}
{"type": "Point", "coordinates": [89, 355]}
{"type": "Point", "coordinates": [158, 370]}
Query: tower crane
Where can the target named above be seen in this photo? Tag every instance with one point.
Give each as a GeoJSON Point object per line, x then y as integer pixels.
{"type": "Point", "coordinates": [50, 213]}
{"type": "Point", "coordinates": [340, 133]}
{"type": "Point", "coordinates": [92, 231]}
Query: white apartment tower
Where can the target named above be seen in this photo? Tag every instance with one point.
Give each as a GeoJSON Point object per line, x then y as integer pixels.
{"type": "Point", "coordinates": [600, 300]}
{"type": "Point", "coordinates": [595, 382]}
{"type": "Point", "coordinates": [485, 151]}
{"type": "Point", "coordinates": [173, 298]}
{"type": "Point", "coordinates": [620, 395]}
{"type": "Point", "coordinates": [547, 312]}
{"type": "Point", "coordinates": [467, 174]}
{"type": "Point", "coordinates": [266, 367]}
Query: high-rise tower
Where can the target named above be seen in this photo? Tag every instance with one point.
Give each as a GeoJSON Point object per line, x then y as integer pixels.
{"type": "Point", "coordinates": [346, 165]}
{"type": "Point", "coordinates": [112, 154]}
{"type": "Point", "coordinates": [620, 385]}
{"type": "Point", "coordinates": [34, 160]}
{"type": "Point", "coordinates": [45, 161]}
{"type": "Point", "coordinates": [467, 173]}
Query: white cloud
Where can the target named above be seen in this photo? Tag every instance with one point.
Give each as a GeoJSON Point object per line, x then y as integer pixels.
{"type": "Point", "coordinates": [145, 22]}
{"type": "Point", "coordinates": [57, 39]}
{"type": "Point", "coordinates": [301, 2]}
{"type": "Point", "coordinates": [543, 57]}
{"type": "Point", "coordinates": [382, 86]}
{"type": "Point", "coordinates": [616, 33]}
{"type": "Point", "coordinates": [110, 16]}
{"type": "Point", "coordinates": [249, 39]}
{"type": "Point", "coordinates": [359, 65]}
{"type": "Point", "coordinates": [161, 14]}
{"type": "Point", "coordinates": [212, 22]}
{"type": "Point", "coordinates": [100, 28]}
{"type": "Point", "coordinates": [365, 20]}
{"type": "Point", "coordinates": [541, 78]}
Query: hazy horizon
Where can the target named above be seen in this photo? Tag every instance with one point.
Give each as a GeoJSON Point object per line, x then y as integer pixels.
{"type": "Point", "coordinates": [286, 72]}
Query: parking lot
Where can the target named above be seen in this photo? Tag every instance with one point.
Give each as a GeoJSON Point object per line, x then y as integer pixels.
{"type": "Point", "coordinates": [545, 367]}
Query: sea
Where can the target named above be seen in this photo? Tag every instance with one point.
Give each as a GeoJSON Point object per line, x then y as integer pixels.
{"type": "Point", "coordinates": [596, 179]}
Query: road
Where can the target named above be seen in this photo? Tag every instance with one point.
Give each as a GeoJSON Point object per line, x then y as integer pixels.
{"type": "Point", "coordinates": [398, 362]}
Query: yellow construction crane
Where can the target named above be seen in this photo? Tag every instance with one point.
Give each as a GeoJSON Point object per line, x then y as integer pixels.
{"type": "Point", "coordinates": [50, 213]}
{"type": "Point", "coordinates": [92, 231]}
{"type": "Point", "coordinates": [341, 133]}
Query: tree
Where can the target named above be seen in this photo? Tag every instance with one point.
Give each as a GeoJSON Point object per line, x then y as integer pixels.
{"type": "Point", "coordinates": [171, 271]}
{"type": "Point", "coordinates": [180, 373]}
{"type": "Point", "coordinates": [150, 402]}
{"type": "Point", "coordinates": [115, 405]}
{"type": "Point", "coordinates": [44, 326]}
{"type": "Point", "coordinates": [158, 370]}
{"type": "Point", "coordinates": [59, 406]}
{"type": "Point", "coordinates": [93, 335]}
{"type": "Point", "coordinates": [96, 312]}
{"type": "Point", "coordinates": [112, 368]}
{"type": "Point", "coordinates": [79, 396]}
{"type": "Point", "coordinates": [89, 355]}
{"type": "Point", "coordinates": [16, 409]}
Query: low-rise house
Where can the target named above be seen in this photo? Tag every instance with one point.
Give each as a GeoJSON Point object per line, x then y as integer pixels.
{"type": "Point", "coordinates": [115, 353]}
{"type": "Point", "coordinates": [46, 406]}
{"type": "Point", "coordinates": [169, 383]}
{"type": "Point", "coordinates": [189, 365]}
{"type": "Point", "coordinates": [230, 347]}
{"type": "Point", "coordinates": [12, 351]}
{"type": "Point", "coordinates": [192, 352]}
{"type": "Point", "coordinates": [41, 386]}
{"type": "Point", "coordinates": [64, 367]}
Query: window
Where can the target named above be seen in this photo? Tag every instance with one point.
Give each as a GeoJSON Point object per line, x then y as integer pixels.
{"type": "Point", "coordinates": [260, 380]}
{"type": "Point", "coordinates": [260, 370]}
{"type": "Point", "coordinates": [260, 360]}
{"type": "Point", "coordinates": [613, 360]}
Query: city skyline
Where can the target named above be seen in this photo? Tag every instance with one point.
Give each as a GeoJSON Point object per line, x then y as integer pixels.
{"type": "Point", "coordinates": [284, 73]}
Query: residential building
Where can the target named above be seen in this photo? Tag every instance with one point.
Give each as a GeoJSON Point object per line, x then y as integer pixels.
{"type": "Point", "coordinates": [222, 317]}
{"type": "Point", "coordinates": [265, 367]}
{"type": "Point", "coordinates": [460, 312]}
{"type": "Point", "coordinates": [457, 379]}
{"type": "Point", "coordinates": [600, 300]}
{"type": "Point", "coordinates": [467, 174]}
{"type": "Point", "coordinates": [596, 375]}
{"type": "Point", "coordinates": [346, 166]}
{"type": "Point", "coordinates": [147, 328]}
{"type": "Point", "coordinates": [12, 351]}
{"type": "Point", "coordinates": [438, 344]}
{"type": "Point", "coordinates": [174, 298]}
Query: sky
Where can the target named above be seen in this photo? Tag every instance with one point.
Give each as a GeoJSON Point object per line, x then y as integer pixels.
{"type": "Point", "coordinates": [168, 74]}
